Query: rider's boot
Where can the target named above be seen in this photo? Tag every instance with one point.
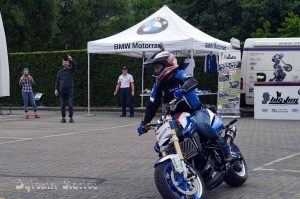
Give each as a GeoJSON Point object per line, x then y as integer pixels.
{"type": "Point", "coordinates": [227, 154]}
{"type": "Point", "coordinates": [226, 150]}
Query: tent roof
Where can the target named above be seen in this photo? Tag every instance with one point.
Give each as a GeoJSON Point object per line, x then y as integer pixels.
{"type": "Point", "coordinates": [163, 27]}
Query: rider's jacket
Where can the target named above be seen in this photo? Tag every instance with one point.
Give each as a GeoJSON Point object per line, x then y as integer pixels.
{"type": "Point", "coordinates": [165, 90]}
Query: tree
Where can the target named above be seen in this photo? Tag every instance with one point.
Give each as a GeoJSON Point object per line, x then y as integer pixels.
{"type": "Point", "coordinates": [263, 32]}
{"type": "Point", "coordinates": [33, 25]}
{"type": "Point", "coordinates": [140, 9]}
{"type": "Point", "coordinates": [219, 18]}
{"type": "Point", "coordinates": [291, 26]}
{"type": "Point", "coordinates": [85, 20]}
{"type": "Point", "coordinates": [265, 16]}
{"type": "Point", "coordinates": [30, 25]}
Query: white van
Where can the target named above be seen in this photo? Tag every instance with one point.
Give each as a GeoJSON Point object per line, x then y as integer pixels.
{"type": "Point", "coordinates": [269, 60]}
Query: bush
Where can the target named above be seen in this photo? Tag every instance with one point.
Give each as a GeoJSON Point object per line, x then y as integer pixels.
{"type": "Point", "coordinates": [105, 70]}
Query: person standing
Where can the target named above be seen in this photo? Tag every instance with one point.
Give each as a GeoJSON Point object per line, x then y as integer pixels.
{"type": "Point", "coordinates": [26, 82]}
{"type": "Point", "coordinates": [64, 86]}
{"type": "Point", "coordinates": [126, 85]}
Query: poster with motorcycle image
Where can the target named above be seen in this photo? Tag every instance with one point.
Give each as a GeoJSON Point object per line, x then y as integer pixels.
{"type": "Point", "coordinates": [229, 84]}
{"type": "Point", "coordinates": [274, 66]}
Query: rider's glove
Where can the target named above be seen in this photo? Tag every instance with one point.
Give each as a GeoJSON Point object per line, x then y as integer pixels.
{"type": "Point", "coordinates": [178, 94]}
{"type": "Point", "coordinates": [142, 129]}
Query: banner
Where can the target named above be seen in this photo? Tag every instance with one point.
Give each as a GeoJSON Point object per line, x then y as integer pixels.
{"type": "Point", "coordinates": [229, 84]}
{"type": "Point", "coordinates": [279, 101]}
{"type": "Point", "coordinates": [4, 68]}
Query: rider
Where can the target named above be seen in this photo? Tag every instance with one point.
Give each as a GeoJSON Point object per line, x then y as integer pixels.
{"type": "Point", "coordinates": [172, 82]}
{"type": "Point", "coordinates": [279, 74]}
{"type": "Point", "coordinates": [277, 58]}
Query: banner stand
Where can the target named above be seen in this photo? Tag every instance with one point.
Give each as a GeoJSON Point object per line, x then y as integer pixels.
{"type": "Point", "coordinates": [229, 84]}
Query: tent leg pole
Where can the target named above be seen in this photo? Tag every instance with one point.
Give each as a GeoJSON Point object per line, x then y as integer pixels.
{"type": "Point", "coordinates": [89, 106]}
{"type": "Point", "coordinates": [143, 73]}
{"type": "Point", "coordinates": [89, 90]}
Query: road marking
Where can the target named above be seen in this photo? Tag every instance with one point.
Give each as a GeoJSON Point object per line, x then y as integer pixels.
{"type": "Point", "coordinates": [293, 171]}
{"type": "Point", "coordinates": [10, 119]}
{"type": "Point", "coordinates": [66, 134]}
{"type": "Point", "coordinates": [258, 169]}
{"type": "Point", "coordinates": [266, 169]}
{"type": "Point", "coordinates": [279, 170]}
{"type": "Point", "coordinates": [12, 138]}
{"type": "Point", "coordinates": [275, 161]}
{"type": "Point", "coordinates": [62, 127]}
{"type": "Point", "coordinates": [281, 159]}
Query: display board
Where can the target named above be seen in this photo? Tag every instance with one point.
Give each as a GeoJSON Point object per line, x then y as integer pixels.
{"type": "Point", "coordinates": [272, 65]}
{"type": "Point", "coordinates": [277, 101]}
{"type": "Point", "coordinates": [229, 84]}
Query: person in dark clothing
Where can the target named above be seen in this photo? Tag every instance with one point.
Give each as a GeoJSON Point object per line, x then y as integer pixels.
{"type": "Point", "coordinates": [64, 86]}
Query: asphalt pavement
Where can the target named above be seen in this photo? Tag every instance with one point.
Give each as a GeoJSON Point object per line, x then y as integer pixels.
{"type": "Point", "coordinates": [102, 157]}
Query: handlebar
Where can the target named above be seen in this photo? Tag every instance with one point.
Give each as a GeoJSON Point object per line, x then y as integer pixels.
{"type": "Point", "coordinates": [172, 105]}
{"type": "Point", "coordinates": [231, 123]}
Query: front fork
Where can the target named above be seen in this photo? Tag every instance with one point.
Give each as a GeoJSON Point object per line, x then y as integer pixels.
{"type": "Point", "coordinates": [177, 160]}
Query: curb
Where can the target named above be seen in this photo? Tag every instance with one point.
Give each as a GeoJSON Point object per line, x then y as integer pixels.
{"type": "Point", "coordinates": [79, 109]}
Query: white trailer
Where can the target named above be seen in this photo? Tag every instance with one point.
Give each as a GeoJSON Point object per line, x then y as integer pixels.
{"type": "Point", "coordinates": [269, 60]}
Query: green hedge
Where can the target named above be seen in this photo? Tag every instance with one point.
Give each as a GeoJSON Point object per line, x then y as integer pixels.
{"type": "Point", "coordinates": [105, 70]}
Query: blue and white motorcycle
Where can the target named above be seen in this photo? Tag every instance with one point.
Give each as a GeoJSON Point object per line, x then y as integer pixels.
{"type": "Point", "coordinates": [188, 165]}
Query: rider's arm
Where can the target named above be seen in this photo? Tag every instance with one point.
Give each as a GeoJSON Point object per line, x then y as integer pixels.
{"type": "Point", "coordinates": [154, 103]}
{"type": "Point", "coordinates": [189, 82]}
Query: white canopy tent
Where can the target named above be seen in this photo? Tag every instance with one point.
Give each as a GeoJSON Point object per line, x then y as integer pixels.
{"type": "Point", "coordinates": [163, 27]}
{"type": "Point", "coordinates": [4, 68]}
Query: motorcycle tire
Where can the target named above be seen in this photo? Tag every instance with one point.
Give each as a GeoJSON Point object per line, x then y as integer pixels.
{"type": "Point", "coordinates": [236, 178]}
{"type": "Point", "coordinates": [288, 67]}
{"type": "Point", "coordinates": [169, 190]}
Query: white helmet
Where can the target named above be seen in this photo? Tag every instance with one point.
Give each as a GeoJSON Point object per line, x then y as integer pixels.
{"type": "Point", "coordinates": [164, 57]}
{"type": "Point", "coordinates": [169, 62]}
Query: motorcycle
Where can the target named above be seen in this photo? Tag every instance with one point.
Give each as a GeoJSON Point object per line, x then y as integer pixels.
{"type": "Point", "coordinates": [188, 165]}
{"type": "Point", "coordinates": [279, 69]}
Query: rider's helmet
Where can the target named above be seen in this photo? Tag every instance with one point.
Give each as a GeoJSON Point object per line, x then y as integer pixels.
{"type": "Point", "coordinates": [281, 55]}
{"type": "Point", "coordinates": [276, 58]}
{"type": "Point", "coordinates": [168, 61]}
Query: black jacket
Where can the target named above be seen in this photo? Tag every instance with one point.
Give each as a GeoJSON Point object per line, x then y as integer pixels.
{"type": "Point", "coordinates": [65, 77]}
{"type": "Point", "coordinates": [165, 91]}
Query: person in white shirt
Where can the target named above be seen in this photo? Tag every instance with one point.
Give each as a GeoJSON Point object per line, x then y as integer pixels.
{"type": "Point", "coordinates": [126, 85]}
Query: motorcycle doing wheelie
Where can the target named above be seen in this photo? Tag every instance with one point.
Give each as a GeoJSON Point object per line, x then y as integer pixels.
{"type": "Point", "coordinates": [279, 68]}
{"type": "Point", "coordinates": [188, 165]}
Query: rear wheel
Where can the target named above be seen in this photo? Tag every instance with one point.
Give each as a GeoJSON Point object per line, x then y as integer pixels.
{"type": "Point", "coordinates": [172, 185]}
{"type": "Point", "coordinates": [237, 172]}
